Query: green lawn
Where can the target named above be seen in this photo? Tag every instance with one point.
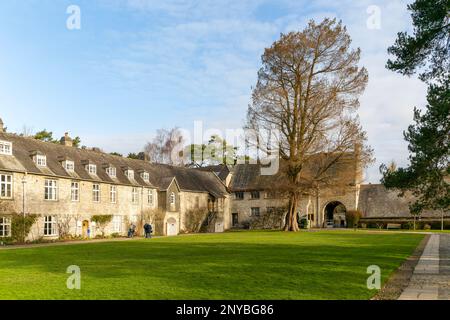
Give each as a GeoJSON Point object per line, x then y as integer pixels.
{"type": "Point", "coordinates": [235, 265]}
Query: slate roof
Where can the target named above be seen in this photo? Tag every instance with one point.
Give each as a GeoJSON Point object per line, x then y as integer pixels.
{"type": "Point", "coordinates": [221, 170]}
{"type": "Point", "coordinates": [247, 177]}
{"type": "Point", "coordinates": [160, 175]}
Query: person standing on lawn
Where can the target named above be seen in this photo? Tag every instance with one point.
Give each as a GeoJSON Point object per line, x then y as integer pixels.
{"type": "Point", "coordinates": [148, 230]}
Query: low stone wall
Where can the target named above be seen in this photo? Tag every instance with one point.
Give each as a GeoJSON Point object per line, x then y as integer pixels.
{"type": "Point", "coordinates": [376, 202]}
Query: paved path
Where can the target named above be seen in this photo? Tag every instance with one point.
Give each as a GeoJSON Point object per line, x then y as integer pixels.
{"type": "Point", "coordinates": [68, 243]}
{"type": "Point", "coordinates": [431, 278]}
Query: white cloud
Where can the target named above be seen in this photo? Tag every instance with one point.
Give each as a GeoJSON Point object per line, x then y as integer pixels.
{"type": "Point", "coordinates": [207, 54]}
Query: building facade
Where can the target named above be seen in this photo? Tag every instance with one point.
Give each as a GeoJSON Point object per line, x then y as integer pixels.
{"type": "Point", "coordinates": [66, 187]}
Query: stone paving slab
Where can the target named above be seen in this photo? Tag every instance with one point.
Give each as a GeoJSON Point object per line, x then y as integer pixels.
{"type": "Point", "coordinates": [431, 278]}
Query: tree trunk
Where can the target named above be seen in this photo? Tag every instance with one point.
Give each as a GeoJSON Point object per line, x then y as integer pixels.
{"type": "Point", "coordinates": [291, 223]}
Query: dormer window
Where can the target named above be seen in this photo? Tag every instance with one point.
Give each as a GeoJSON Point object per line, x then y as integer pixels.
{"type": "Point", "coordinates": [40, 160]}
{"type": "Point", "coordinates": [6, 148]}
{"type": "Point", "coordinates": [111, 171]}
{"type": "Point", "coordinates": [69, 165]}
{"type": "Point", "coordinates": [129, 173]}
{"type": "Point", "coordinates": [91, 168]}
{"type": "Point", "coordinates": [145, 176]}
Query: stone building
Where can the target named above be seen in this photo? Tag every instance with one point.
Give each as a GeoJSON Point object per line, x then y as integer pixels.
{"type": "Point", "coordinates": [255, 195]}
{"type": "Point", "coordinates": [66, 186]}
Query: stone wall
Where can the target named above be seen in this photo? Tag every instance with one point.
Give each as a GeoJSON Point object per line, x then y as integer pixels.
{"type": "Point", "coordinates": [375, 201]}
{"type": "Point", "coordinates": [80, 210]}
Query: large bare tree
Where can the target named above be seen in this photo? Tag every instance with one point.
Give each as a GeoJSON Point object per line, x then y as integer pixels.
{"type": "Point", "coordinates": [308, 89]}
{"type": "Point", "coordinates": [161, 148]}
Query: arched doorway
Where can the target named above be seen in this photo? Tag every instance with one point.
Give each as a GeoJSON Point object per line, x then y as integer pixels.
{"type": "Point", "coordinates": [172, 229]}
{"type": "Point", "coordinates": [335, 215]}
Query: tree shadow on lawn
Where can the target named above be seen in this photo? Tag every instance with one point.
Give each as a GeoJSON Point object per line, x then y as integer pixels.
{"type": "Point", "coordinates": [205, 269]}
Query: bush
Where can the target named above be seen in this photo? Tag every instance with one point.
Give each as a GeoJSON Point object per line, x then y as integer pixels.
{"type": "Point", "coordinates": [102, 221]}
{"type": "Point", "coordinates": [353, 217]}
{"type": "Point", "coordinates": [21, 226]}
{"type": "Point", "coordinates": [303, 224]}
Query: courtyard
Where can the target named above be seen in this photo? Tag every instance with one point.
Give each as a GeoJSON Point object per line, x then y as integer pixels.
{"type": "Point", "coordinates": [233, 265]}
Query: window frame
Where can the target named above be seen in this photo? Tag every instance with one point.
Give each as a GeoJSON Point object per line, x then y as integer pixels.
{"type": "Point", "coordinates": [134, 195]}
{"type": "Point", "coordinates": [113, 194]}
{"type": "Point", "coordinates": [117, 224]}
{"type": "Point", "coordinates": [255, 195]}
{"type": "Point", "coordinates": [75, 191]}
{"type": "Point", "coordinates": [41, 160]}
{"type": "Point", "coordinates": [150, 198]}
{"type": "Point", "coordinates": [50, 225]}
{"type": "Point", "coordinates": [238, 197]}
{"type": "Point", "coordinates": [6, 148]}
{"type": "Point", "coordinates": [145, 176]}
{"type": "Point", "coordinates": [91, 168]}
{"type": "Point", "coordinates": [255, 209]}
{"type": "Point", "coordinates": [172, 199]}
{"type": "Point", "coordinates": [129, 174]}
{"type": "Point", "coordinates": [4, 186]}
{"type": "Point", "coordinates": [5, 227]}
{"type": "Point", "coordinates": [51, 185]}
{"type": "Point", "coordinates": [69, 165]}
{"type": "Point", "coordinates": [96, 192]}
{"type": "Point", "coordinates": [111, 172]}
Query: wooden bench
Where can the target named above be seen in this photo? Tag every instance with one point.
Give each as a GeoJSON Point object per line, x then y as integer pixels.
{"type": "Point", "coordinates": [394, 226]}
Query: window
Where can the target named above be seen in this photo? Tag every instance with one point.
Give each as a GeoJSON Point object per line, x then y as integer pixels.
{"type": "Point", "coordinates": [117, 224]}
{"type": "Point", "coordinates": [50, 226]}
{"type": "Point", "coordinates": [91, 169]}
{"type": "Point", "coordinates": [129, 174]}
{"type": "Point", "coordinates": [96, 192]}
{"type": "Point", "coordinates": [111, 171]}
{"type": "Point", "coordinates": [5, 186]}
{"type": "Point", "coordinates": [113, 194]}
{"type": "Point", "coordinates": [134, 195]}
{"type": "Point", "coordinates": [6, 148]}
{"type": "Point", "coordinates": [5, 227]}
{"type": "Point", "coordinates": [41, 160]}
{"type": "Point", "coordinates": [69, 166]}
{"type": "Point", "coordinates": [239, 195]}
{"type": "Point", "coordinates": [145, 176]}
{"type": "Point", "coordinates": [271, 194]}
{"type": "Point", "coordinates": [51, 190]}
{"type": "Point", "coordinates": [271, 210]}
{"type": "Point", "coordinates": [255, 212]}
{"type": "Point", "coordinates": [172, 199]}
{"type": "Point", "coordinates": [255, 194]}
{"type": "Point", "coordinates": [235, 219]}
{"type": "Point", "coordinates": [75, 191]}
{"type": "Point", "coordinates": [150, 197]}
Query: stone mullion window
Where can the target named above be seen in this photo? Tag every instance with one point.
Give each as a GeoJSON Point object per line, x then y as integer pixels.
{"type": "Point", "coordinates": [51, 190]}
{"type": "Point", "coordinates": [6, 186]}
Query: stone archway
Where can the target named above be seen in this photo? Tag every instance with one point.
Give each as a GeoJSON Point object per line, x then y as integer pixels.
{"type": "Point", "coordinates": [334, 213]}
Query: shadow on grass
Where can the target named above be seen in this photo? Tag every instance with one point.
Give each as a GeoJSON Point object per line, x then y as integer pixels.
{"type": "Point", "coordinates": [253, 266]}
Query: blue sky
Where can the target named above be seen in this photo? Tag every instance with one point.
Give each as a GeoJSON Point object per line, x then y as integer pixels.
{"type": "Point", "coordinates": [139, 65]}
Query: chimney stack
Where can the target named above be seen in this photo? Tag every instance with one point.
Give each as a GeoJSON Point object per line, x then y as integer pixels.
{"type": "Point", "coordinates": [66, 140]}
{"type": "Point", "coordinates": [2, 129]}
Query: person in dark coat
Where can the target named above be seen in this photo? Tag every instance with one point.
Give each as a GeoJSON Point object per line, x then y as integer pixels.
{"type": "Point", "coordinates": [131, 231]}
{"type": "Point", "coordinates": [148, 230]}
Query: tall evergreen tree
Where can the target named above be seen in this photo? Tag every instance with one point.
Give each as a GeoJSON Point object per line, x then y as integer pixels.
{"type": "Point", "coordinates": [427, 51]}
